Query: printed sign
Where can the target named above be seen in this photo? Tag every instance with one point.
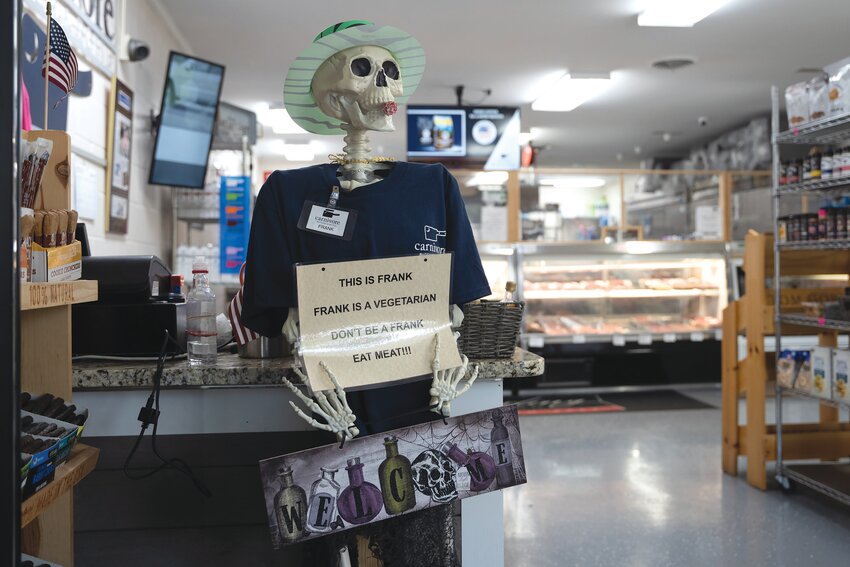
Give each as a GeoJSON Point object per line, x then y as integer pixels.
{"type": "Point", "coordinates": [120, 138]}
{"type": "Point", "coordinates": [375, 321]}
{"type": "Point", "coordinates": [388, 474]}
{"type": "Point", "coordinates": [235, 222]}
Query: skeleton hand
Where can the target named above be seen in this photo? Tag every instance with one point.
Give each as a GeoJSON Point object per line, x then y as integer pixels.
{"type": "Point", "coordinates": [444, 384]}
{"type": "Point", "coordinates": [332, 406]}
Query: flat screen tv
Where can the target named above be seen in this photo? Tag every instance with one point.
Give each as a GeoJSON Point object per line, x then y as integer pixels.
{"type": "Point", "coordinates": [485, 136]}
{"type": "Point", "coordinates": [186, 121]}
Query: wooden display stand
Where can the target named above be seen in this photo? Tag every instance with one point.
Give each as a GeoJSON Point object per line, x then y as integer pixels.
{"type": "Point", "coordinates": [753, 315]}
{"type": "Point", "coordinates": [47, 517]}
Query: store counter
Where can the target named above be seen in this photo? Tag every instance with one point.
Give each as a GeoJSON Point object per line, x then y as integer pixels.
{"type": "Point", "coordinates": [245, 396]}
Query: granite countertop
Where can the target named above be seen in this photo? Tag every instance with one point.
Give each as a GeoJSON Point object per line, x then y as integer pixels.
{"type": "Point", "coordinates": [231, 370]}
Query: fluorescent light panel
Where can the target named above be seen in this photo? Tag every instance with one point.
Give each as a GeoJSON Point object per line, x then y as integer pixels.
{"type": "Point", "coordinates": [569, 92]}
{"type": "Point", "coordinates": [574, 182]}
{"type": "Point", "coordinates": [278, 120]}
{"type": "Point", "coordinates": [677, 13]}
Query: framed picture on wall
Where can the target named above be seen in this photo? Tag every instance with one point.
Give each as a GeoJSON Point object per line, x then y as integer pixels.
{"type": "Point", "coordinates": [120, 144]}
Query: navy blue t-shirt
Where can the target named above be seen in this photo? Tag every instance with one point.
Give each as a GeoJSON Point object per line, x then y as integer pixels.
{"type": "Point", "coordinates": [416, 209]}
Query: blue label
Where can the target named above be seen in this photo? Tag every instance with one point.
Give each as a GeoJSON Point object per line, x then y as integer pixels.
{"type": "Point", "coordinates": [234, 222]}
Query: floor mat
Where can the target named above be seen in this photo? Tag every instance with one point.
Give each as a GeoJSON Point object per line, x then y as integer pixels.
{"type": "Point", "coordinates": [633, 401]}
{"type": "Point", "coordinates": [548, 405]}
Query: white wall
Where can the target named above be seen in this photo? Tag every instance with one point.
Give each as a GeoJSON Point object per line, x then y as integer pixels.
{"type": "Point", "coordinates": [149, 230]}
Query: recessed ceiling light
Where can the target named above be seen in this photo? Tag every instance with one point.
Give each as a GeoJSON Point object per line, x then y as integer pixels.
{"type": "Point", "coordinates": [570, 92]}
{"type": "Point", "coordinates": [677, 13]}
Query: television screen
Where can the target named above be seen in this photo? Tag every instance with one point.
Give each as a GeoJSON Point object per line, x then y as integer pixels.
{"type": "Point", "coordinates": [485, 137]}
{"type": "Point", "coordinates": [186, 121]}
{"type": "Point", "coordinates": [232, 124]}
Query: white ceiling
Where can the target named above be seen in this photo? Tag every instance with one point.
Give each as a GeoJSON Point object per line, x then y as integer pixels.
{"type": "Point", "coordinates": [510, 47]}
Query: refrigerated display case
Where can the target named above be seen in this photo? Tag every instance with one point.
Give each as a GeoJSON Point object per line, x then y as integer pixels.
{"type": "Point", "coordinates": [611, 308]}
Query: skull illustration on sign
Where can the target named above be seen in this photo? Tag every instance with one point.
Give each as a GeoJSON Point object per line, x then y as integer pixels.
{"type": "Point", "coordinates": [434, 476]}
{"type": "Point", "coordinates": [359, 86]}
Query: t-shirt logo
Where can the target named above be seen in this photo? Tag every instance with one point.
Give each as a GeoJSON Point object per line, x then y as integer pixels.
{"type": "Point", "coordinates": [432, 236]}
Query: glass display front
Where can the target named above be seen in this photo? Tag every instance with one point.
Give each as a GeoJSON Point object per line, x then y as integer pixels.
{"type": "Point", "coordinates": [603, 292]}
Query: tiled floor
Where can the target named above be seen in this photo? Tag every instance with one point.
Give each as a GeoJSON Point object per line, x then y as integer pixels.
{"type": "Point", "coordinates": [646, 489]}
{"type": "Point", "coordinates": [640, 488]}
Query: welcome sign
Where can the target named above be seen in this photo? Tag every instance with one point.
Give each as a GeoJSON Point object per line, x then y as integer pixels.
{"type": "Point", "coordinates": [375, 321]}
{"type": "Point", "coordinates": [308, 494]}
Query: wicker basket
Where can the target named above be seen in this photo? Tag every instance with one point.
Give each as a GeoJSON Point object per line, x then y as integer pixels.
{"type": "Point", "coordinates": [490, 329]}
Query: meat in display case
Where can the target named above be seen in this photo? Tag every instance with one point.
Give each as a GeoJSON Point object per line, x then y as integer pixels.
{"type": "Point", "coordinates": [637, 291]}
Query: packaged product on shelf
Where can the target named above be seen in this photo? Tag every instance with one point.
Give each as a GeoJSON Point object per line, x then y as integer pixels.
{"type": "Point", "coordinates": [55, 254]}
{"type": "Point", "coordinates": [844, 169]}
{"type": "Point", "coordinates": [807, 170]}
{"type": "Point", "coordinates": [36, 155]}
{"type": "Point", "coordinates": [840, 374]}
{"type": "Point", "coordinates": [841, 223]}
{"type": "Point", "coordinates": [786, 368]}
{"type": "Point", "coordinates": [839, 91]}
{"type": "Point", "coordinates": [826, 162]}
{"type": "Point", "coordinates": [783, 229]}
{"type": "Point", "coordinates": [811, 220]}
{"type": "Point", "coordinates": [822, 372]}
{"type": "Point", "coordinates": [823, 224]}
{"type": "Point", "coordinates": [814, 160]}
{"type": "Point", "coordinates": [783, 173]}
{"type": "Point", "coordinates": [27, 225]}
{"type": "Point", "coordinates": [831, 222]}
{"type": "Point", "coordinates": [792, 172]}
{"type": "Point", "coordinates": [818, 91]}
{"type": "Point", "coordinates": [797, 104]}
{"type": "Point", "coordinates": [38, 228]}
{"type": "Point", "coordinates": [803, 380]}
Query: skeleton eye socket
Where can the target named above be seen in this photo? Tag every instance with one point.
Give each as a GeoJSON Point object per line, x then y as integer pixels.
{"type": "Point", "coordinates": [391, 70]}
{"type": "Point", "coordinates": [361, 67]}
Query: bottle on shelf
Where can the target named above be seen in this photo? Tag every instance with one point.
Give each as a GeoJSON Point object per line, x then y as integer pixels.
{"type": "Point", "coordinates": [201, 333]}
{"type": "Point", "coordinates": [396, 479]}
{"type": "Point", "coordinates": [290, 506]}
{"type": "Point", "coordinates": [510, 291]}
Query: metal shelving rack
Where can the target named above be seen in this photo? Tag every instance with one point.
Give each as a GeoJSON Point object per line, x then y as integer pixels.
{"type": "Point", "coordinates": [831, 479]}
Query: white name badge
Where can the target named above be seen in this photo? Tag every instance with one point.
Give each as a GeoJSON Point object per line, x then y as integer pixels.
{"type": "Point", "coordinates": [321, 219]}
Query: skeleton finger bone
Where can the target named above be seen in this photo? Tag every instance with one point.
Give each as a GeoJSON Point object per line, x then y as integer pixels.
{"type": "Point", "coordinates": [331, 405]}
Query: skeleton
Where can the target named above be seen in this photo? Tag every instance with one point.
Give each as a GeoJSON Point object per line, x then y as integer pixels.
{"type": "Point", "coordinates": [358, 86]}
{"type": "Point", "coordinates": [434, 476]}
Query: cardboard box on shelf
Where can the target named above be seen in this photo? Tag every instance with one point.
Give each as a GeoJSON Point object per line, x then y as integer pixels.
{"type": "Point", "coordinates": [59, 264]}
{"type": "Point", "coordinates": [822, 372]}
{"type": "Point", "coordinates": [840, 375]}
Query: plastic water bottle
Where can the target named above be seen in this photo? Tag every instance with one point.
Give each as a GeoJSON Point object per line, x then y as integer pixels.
{"type": "Point", "coordinates": [201, 334]}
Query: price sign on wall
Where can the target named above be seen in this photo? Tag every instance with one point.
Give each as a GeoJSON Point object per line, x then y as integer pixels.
{"type": "Point", "coordinates": [375, 321]}
{"type": "Point", "coordinates": [235, 222]}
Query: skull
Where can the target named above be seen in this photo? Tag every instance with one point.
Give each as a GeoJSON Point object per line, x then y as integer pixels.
{"type": "Point", "coordinates": [358, 86]}
{"type": "Point", "coordinates": [434, 476]}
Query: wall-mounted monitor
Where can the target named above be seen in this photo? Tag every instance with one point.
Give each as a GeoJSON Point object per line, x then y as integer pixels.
{"type": "Point", "coordinates": [186, 121]}
{"type": "Point", "coordinates": [464, 136]}
{"type": "Point", "coordinates": [232, 125]}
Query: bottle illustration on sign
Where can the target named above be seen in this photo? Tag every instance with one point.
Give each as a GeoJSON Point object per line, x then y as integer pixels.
{"type": "Point", "coordinates": [360, 501]}
{"type": "Point", "coordinates": [502, 453]}
{"type": "Point", "coordinates": [396, 479]}
{"type": "Point", "coordinates": [290, 506]}
{"type": "Point", "coordinates": [480, 466]}
{"type": "Point", "coordinates": [323, 497]}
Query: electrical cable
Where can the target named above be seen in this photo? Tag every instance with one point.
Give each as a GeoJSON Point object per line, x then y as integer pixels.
{"type": "Point", "coordinates": [149, 415]}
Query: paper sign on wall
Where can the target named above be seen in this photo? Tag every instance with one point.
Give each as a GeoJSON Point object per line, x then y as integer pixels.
{"type": "Point", "coordinates": [308, 494]}
{"type": "Point", "coordinates": [375, 321]}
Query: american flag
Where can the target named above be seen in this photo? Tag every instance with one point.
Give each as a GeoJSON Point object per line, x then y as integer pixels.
{"type": "Point", "coordinates": [241, 333]}
{"type": "Point", "coordinates": [63, 62]}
